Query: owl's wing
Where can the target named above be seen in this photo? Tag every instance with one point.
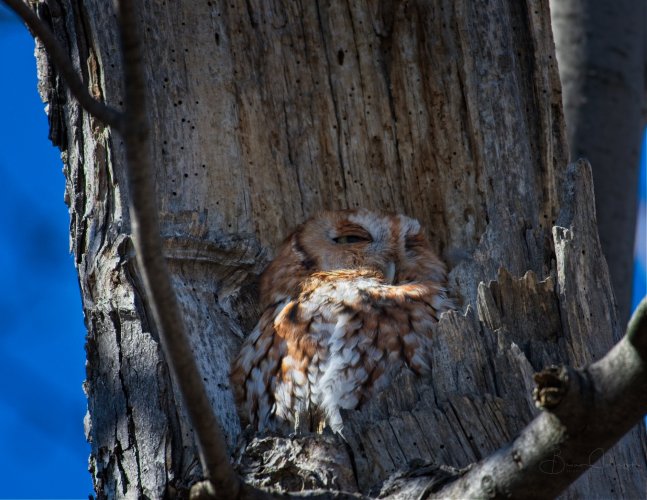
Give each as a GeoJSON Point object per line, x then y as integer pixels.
{"type": "Point", "coordinates": [254, 371]}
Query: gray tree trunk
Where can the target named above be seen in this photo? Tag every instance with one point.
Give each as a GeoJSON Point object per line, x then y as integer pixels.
{"type": "Point", "coordinates": [265, 112]}
{"type": "Point", "coordinates": [602, 53]}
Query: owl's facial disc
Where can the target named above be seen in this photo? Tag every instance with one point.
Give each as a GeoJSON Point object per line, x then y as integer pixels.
{"type": "Point", "coordinates": [361, 240]}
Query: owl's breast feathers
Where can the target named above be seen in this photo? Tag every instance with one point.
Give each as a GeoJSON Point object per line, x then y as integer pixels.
{"type": "Point", "coordinates": [344, 337]}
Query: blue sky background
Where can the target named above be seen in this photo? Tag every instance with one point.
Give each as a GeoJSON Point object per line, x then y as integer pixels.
{"type": "Point", "coordinates": [43, 452]}
{"type": "Point", "coordinates": [41, 401]}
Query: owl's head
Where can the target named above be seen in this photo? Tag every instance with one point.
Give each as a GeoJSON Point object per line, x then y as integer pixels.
{"type": "Point", "coordinates": [391, 245]}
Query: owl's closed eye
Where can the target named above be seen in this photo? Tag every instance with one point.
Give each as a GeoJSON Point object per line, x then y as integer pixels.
{"type": "Point", "coordinates": [349, 301]}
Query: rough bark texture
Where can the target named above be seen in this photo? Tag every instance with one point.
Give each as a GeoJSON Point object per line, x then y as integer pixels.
{"type": "Point", "coordinates": [602, 54]}
{"type": "Point", "coordinates": [265, 112]}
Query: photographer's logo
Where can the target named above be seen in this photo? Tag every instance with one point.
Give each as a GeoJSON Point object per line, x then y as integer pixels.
{"type": "Point", "coordinates": [557, 464]}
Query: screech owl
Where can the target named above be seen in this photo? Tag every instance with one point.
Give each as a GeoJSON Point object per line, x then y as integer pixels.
{"type": "Point", "coordinates": [349, 301]}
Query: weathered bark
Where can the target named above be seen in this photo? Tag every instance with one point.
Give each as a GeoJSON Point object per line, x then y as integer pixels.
{"type": "Point", "coordinates": [265, 113]}
{"type": "Point", "coordinates": [602, 53]}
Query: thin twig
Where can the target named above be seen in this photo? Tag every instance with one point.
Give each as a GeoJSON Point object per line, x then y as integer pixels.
{"type": "Point", "coordinates": [99, 110]}
{"type": "Point", "coordinates": [135, 132]}
{"type": "Point", "coordinates": [177, 350]}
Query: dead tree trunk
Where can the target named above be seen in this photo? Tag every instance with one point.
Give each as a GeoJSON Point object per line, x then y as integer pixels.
{"type": "Point", "coordinates": [264, 113]}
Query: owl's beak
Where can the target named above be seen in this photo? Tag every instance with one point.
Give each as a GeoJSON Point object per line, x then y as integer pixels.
{"type": "Point", "coordinates": [389, 272]}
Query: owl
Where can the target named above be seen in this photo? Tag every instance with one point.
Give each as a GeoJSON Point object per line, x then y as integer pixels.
{"type": "Point", "coordinates": [349, 301]}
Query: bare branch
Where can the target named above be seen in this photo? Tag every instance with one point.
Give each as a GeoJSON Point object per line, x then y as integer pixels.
{"type": "Point", "coordinates": [175, 344]}
{"type": "Point", "coordinates": [99, 110]}
{"type": "Point", "coordinates": [587, 412]}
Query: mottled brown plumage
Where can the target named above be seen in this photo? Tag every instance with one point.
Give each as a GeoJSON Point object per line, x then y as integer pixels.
{"type": "Point", "coordinates": [349, 301]}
